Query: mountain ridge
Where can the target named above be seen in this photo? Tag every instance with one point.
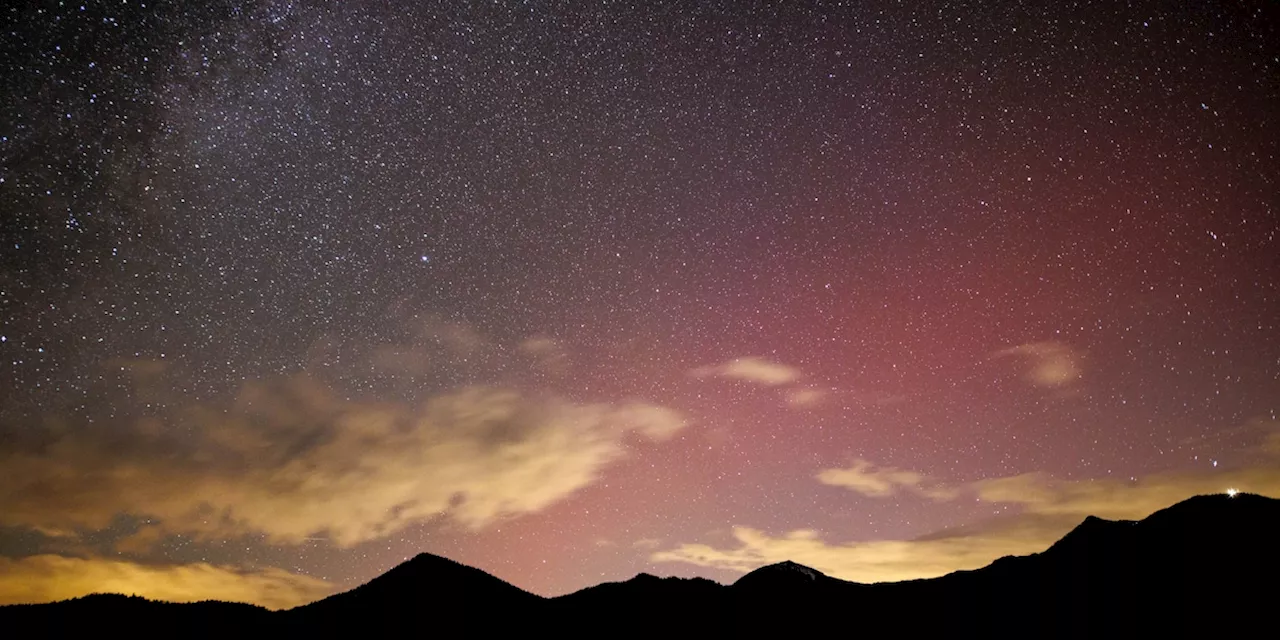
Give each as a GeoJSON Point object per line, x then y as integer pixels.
{"type": "Point", "coordinates": [1104, 578]}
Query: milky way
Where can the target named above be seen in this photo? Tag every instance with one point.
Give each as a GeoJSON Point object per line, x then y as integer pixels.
{"type": "Point", "coordinates": [290, 292]}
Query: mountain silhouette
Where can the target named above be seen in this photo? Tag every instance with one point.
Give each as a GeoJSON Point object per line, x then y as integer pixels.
{"type": "Point", "coordinates": [646, 603]}
{"type": "Point", "coordinates": [1205, 566]}
{"type": "Point", "coordinates": [425, 585]}
{"type": "Point", "coordinates": [1199, 566]}
{"type": "Point", "coordinates": [785, 572]}
{"type": "Point", "coordinates": [109, 612]}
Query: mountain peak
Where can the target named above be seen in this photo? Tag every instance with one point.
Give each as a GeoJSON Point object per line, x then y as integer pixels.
{"type": "Point", "coordinates": [785, 572]}
{"type": "Point", "coordinates": [1091, 529]}
{"type": "Point", "coordinates": [426, 578]}
{"type": "Point", "coordinates": [425, 559]}
{"type": "Point", "coordinates": [796, 567]}
{"type": "Point", "coordinates": [426, 566]}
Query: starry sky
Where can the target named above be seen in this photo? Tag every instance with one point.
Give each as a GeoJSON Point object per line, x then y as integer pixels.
{"type": "Point", "coordinates": [566, 291]}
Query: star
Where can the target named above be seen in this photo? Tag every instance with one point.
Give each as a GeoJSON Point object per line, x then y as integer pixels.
{"type": "Point", "coordinates": [687, 272]}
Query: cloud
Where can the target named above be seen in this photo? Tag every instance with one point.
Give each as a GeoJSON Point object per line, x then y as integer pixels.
{"type": "Point", "coordinates": [751, 369]}
{"type": "Point", "coordinates": [142, 368]}
{"type": "Point", "coordinates": [48, 578]}
{"type": "Point", "coordinates": [1048, 510]}
{"type": "Point", "coordinates": [863, 477]}
{"type": "Point", "coordinates": [432, 344]}
{"type": "Point", "coordinates": [1121, 500]}
{"type": "Point", "coordinates": [292, 459]}
{"type": "Point", "coordinates": [548, 354]}
{"type": "Point", "coordinates": [1050, 365]}
{"type": "Point", "coordinates": [647, 543]}
{"type": "Point", "coordinates": [875, 561]}
{"type": "Point", "coordinates": [141, 541]}
{"type": "Point", "coordinates": [804, 398]}
{"type": "Point", "coordinates": [1272, 444]}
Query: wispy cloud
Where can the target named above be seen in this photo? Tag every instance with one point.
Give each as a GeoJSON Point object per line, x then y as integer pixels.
{"type": "Point", "coordinates": [875, 561]}
{"type": "Point", "coordinates": [751, 369]}
{"type": "Point", "coordinates": [812, 397]}
{"type": "Point", "coordinates": [1051, 365]}
{"type": "Point", "coordinates": [806, 397]}
{"type": "Point", "coordinates": [1116, 499]}
{"type": "Point", "coordinates": [549, 355]}
{"type": "Point", "coordinates": [865, 478]}
{"type": "Point", "coordinates": [647, 543]}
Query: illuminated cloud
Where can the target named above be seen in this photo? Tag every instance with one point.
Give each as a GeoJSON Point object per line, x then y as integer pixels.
{"type": "Point", "coordinates": [1050, 365]}
{"type": "Point", "coordinates": [751, 369]}
{"type": "Point", "coordinates": [292, 459]}
{"type": "Point", "coordinates": [431, 345]}
{"type": "Point", "coordinates": [548, 354]}
{"type": "Point", "coordinates": [140, 368]}
{"type": "Point", "coordinates": [805, 398]}
{"type": "Point", "coordinates": [875, 561]}
{"type": "Point", "coordinates": [48, 578]}
{"type": "Point", "coordinates": [1272, 444]}
{"type": "Point", "coordinates": [1269, 429]}
{"type": "Point", "coordinates": [141, 541]}
{"type": "Point", "coordinates": [1120, 499]}
{"type": "Point", "coordinates": [863, 477]}
{"type": "Point", "coordinates": [1049, 509]}
{"type": "Point", "coordinates": [647, 543]}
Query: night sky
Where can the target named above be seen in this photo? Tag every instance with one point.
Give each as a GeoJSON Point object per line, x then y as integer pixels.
{"type": "Point", "coordinates": [566, 291]}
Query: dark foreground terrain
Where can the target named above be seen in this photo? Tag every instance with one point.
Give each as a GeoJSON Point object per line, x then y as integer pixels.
{"type": "Point", "coordinates": [1206, 566]}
